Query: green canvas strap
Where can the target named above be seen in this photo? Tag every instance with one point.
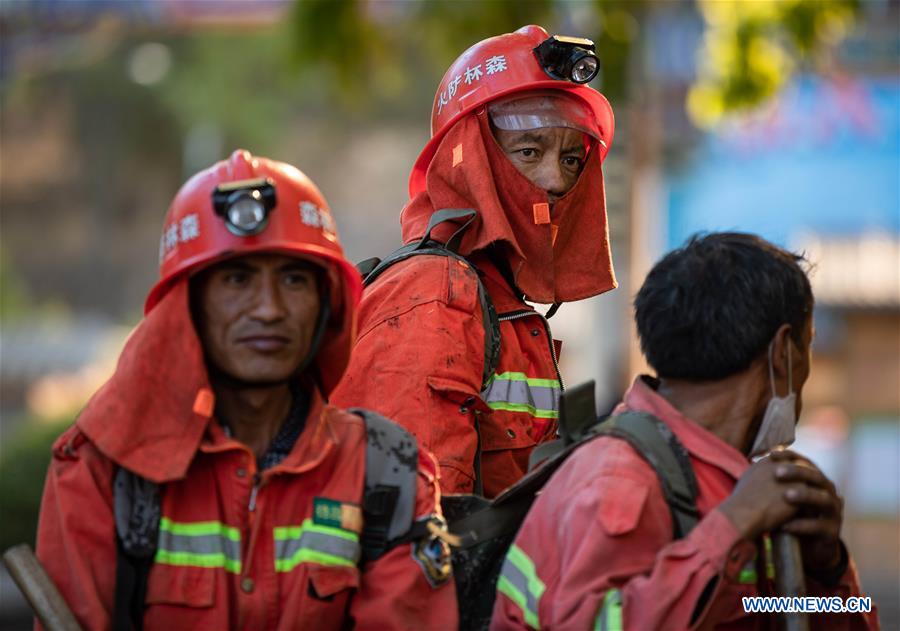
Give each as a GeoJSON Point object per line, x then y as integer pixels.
{"type": "Point", "coordinates": [651, 439]}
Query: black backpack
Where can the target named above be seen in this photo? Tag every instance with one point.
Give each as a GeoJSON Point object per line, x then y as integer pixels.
{"type": "Point", "coordinates": [388, 509]}
{"type": "Point", "coordinates": [485, 529]}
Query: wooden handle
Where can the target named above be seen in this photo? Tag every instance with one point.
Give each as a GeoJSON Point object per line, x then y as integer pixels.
{"type": "Point", "coordinates": [789, 578]}
{"type": "Point", "coordinates": [39, 590]}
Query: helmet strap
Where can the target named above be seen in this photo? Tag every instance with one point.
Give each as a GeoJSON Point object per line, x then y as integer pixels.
{"type": "Point", "coordinates": [318, 334]}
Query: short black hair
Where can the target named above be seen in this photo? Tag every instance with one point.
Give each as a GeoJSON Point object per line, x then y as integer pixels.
{"type": "Point", "coordinates": [706, 310]}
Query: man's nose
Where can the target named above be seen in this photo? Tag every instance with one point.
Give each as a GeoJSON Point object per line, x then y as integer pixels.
{"type": "Point", "coordinates": [551, 178]}
{"type": "Point", "coordinates": [269, 304]}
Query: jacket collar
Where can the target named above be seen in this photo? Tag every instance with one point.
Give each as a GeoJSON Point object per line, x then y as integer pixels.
{"type": "Point", "coordinates": [313, 446]}
{"type": "Point", "coordinates": [504, 297]}
{"type": "Point", "coordinates": [700, 443]}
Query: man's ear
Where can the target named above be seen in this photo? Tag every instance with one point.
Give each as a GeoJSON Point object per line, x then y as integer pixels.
{"type": "Point", "coordinates": [780, 351]}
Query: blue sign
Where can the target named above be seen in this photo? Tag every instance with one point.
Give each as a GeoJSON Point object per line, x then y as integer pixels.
{"type": "Point", "coordinates": [824, 158]}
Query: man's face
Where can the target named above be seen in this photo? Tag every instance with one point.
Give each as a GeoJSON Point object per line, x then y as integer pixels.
{"type": "Point", "coordinates": [256, 315]}
{"type": "Point", "coordinates": [550, 157]}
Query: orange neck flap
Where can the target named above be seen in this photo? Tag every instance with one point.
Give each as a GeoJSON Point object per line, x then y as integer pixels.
{"type": "Point", "coordinates": [151, 415]}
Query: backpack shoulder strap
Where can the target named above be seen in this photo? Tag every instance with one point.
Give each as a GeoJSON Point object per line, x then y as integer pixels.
{"type": "Point", "coordinates": [658, 445]}
{"type": "Point", "coordinates": [373, 268]}
{"type": "Point", "coordinates": [390, 493]}
{"type": "Point", "coordinates": [136, 508]}
{"type": "Point", "coordinates": [389, 501]}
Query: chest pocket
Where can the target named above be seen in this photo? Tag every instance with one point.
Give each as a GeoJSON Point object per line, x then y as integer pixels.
{"type": "Point", "coordinates": [317, 597]}
{"type": "Point", "coordinates": [188, 558]}
{"type": "Point", "coordinates": [523, 408]}
{"type": "Point", "coordinates": [524, 394]}
{"type": "Point", "coordinates": [183, 598]}
{"type": "Point", "coordinates": [503, 431]}
{"type": "Point", "coordinates": [329, 583]}
{"type": "Point", "coordinates": [179, 586]}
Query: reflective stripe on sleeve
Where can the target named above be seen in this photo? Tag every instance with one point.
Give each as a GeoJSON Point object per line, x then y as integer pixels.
{"type": "Point", "coordinates": [514, 392]}
{"type": "Point", "coordinates": [520, 583]}
{"type": "Point", "coordinates": [209, 544]}
{"type": "Point", "coordinates": [610, 616]}
{"type": "Point", "coordinates": [314, 543]}
{"type": "Point", "coordinates": [748, 574]}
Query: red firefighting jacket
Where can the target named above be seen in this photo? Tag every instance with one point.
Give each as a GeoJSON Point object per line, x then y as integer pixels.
{"type": "Point", "coordinates": [596, 549]}
{"type": "Point", "coordinates": [419, 355]}
{"type": "Point", "coordinates": [238, 549]}
{"type": "Point", "coordinates": [419, 358]}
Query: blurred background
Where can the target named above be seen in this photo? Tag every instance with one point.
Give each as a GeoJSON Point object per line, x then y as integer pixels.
{"type": "Point", "coordinates": [780, 117]}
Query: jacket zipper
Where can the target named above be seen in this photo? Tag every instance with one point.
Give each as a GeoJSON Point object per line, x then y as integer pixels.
{"type": "Point", "coordinates": [251, 524]}
{"type": "Point", "coordinates": [515, 315]}
{"type": "Point", "coordinates": [251, 505]}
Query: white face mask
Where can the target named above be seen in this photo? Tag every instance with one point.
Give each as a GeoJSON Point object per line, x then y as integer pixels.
{"type": "Point", "coordinates": [780, 419]}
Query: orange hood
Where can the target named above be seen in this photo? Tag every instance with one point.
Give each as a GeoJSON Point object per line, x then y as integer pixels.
{"type": "Point", "coordinates": [152, 413]}
{"type": "Point", "coordinates": [557, 253]}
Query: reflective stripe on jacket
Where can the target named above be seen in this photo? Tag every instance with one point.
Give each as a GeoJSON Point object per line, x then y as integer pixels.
{"type": "Point", "coordinates": [241, 551]}
{"type": "Point", "coordinates": [419, 359]}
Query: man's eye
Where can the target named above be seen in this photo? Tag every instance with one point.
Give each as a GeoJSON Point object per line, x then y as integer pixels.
{"type": "Point", "coordinates": [298, 279]}
{"type": "Point", "coordinates": [573, 163]}
{"type": "Point", "coordinates": [235, 278]}
{"type": "Point", "coordinates": [528, 152]}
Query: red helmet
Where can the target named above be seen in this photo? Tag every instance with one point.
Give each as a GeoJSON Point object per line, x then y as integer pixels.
{"type": "Point", "coordinates": [497, 67]}
{"type": "Point", "coordinates": [297, 221]}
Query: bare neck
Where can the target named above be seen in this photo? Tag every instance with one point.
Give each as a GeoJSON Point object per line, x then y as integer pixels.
{"type": "Point", "coordinates": [254, 415]}
{"type": "Point", "coordinates": [729, 408]}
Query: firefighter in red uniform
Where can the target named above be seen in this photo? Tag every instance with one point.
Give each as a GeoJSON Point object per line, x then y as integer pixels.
{"type": "Point", "coordinates": [726, 323]}
{"type": "Point", "coordinates": [213, 445]}
{"type": "Point", "coordinates": [518, 137]}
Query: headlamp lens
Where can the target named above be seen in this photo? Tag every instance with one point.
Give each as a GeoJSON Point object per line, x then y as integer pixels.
{"type": "Point", "coordinates": [585, 68]}
{"type": "Point", "coordinates": [245, 205]}
{"type": "Point", "coordinates": [247, 213]}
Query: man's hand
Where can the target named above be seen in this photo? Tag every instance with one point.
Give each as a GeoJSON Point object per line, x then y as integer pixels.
{"type": "Point", "coordinates": [820, 510]}
{"type": "Point", "coordinates": [786, 491]}
{"type": "Point", "coordinates": [759, 502]}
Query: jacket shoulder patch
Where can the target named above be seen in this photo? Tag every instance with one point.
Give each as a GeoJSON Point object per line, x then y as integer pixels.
{"type": "Point", "coordinates": [433, 556]}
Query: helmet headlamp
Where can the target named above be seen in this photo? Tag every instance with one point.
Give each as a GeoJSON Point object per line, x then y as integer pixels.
{"type": "Point", "coordinates": [245, 205]}
{"type": "Point", "coordinates": [568, 58]}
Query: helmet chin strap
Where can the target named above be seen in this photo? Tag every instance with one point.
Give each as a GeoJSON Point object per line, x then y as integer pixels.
{"type": "Point", "coordinates": [230, 381]}
{"type": "Point", "coordinates": [318, 336]}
